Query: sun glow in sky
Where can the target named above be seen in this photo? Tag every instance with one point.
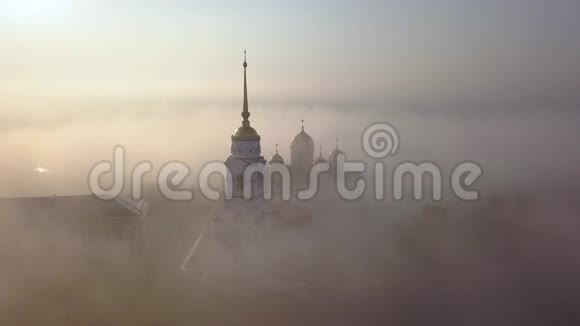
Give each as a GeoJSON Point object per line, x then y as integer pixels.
{"type": "Point", "coordinates": [33, 11]}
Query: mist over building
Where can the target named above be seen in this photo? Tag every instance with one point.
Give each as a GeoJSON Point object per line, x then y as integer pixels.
{"type": "Point", "coordinates": [488, 82]}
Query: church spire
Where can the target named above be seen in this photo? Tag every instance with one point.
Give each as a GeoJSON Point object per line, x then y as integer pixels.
{"type": "Point", "coordinates": [336, 142]}
{"type": "Point", "coordinates": [302, 120]}
{"type": "Point", "coordinates": [245, 132]}
{"type": "Point", "coordinates": [245, 111]}
{"type": "Point", "coordinates": [276, 147]}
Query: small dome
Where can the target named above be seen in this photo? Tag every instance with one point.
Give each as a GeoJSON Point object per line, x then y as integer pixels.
{"type": "Point", "coordinates": [320, 159]}
{"type": "Point", "coordinates": [246, 133]}
{"type": "Point", "coordinates": [303, 139]}
{"type": "Point", "coordinates": [334, 154]}
{"type": "Point", "coordinates": [277, 158]}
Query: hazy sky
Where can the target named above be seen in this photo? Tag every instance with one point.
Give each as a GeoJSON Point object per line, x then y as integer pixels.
{"type": "Point", "coordinates": [516, 53]}
{"type": "Point", "coordinates": [493, 81]}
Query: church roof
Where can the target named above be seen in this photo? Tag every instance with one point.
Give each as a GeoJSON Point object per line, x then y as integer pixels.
{"type": "Point", "coordinates": [335, 152]}
{"type": "Point", "coordinates": [245, 133]}
{"type": "Point", "coordinates": [277, 158]}
{"type": "Point", "coordinates": [302, 138]}
{"type": "Point", "coordinates": [320, 159]}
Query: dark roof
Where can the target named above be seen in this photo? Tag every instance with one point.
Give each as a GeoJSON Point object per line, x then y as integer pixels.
{"type": "Point", "coordinates": [86, 206]}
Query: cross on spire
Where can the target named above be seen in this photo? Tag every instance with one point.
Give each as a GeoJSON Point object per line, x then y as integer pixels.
{"type": "Point", "coordinates": [336, 142]}
{"type": "Point", "coordinates": [302, 120]}
{"type": "Point", "coordinates": [276, 147]}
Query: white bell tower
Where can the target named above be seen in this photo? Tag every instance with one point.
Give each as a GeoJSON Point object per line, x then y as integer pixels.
{"type": "Point", "coordinates": [245, 150]}
{"type": "Point", "coordinates": [227, 243]}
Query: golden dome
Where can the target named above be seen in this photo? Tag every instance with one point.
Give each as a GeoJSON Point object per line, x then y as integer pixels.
{"type": "Point", "coordinates": [245, 133]}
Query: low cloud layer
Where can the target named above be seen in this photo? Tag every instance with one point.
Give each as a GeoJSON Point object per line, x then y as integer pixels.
{"type": "Point", "coordinates": [515, 148]}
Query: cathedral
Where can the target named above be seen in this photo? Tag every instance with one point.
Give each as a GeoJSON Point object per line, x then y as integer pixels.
{"type": "Point", "coordinates": [236, 238]}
